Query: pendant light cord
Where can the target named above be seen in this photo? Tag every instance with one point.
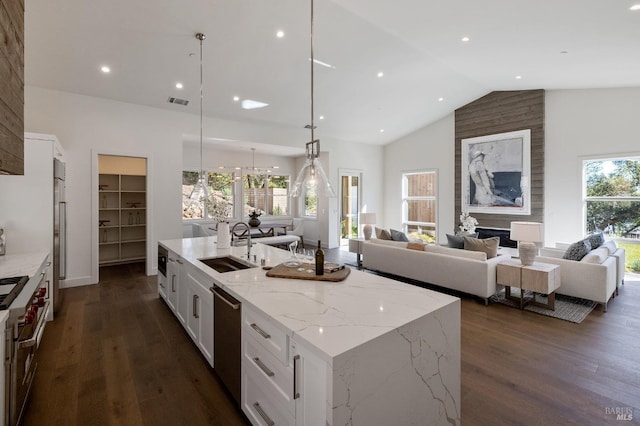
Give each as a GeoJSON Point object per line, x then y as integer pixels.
{"type": "Point", "coordinates": [201, 37]}
{"type": "Point", "coordinates": [312, 63]}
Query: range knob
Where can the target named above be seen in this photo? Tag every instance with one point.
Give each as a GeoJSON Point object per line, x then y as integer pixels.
{"type": "Point", "coordinates": [42, 292]}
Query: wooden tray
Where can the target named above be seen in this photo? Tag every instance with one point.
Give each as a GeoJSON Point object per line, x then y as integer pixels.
{"type": "Point", "coordinates": [282, 271]}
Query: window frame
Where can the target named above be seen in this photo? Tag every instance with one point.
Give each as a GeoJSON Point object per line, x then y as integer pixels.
{"type": "Point", "coordinates": [406, 198]}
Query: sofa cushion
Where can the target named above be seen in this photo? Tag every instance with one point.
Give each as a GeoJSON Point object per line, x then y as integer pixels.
{"type": "Point", "coordinates": [416, 246]}
{"type": "Point", "coordinates": [610, 246]}
{"type": "Point", "coordinates": [577, 250]}
{"type": "Point", "coordinates": [595, 240]}
{"type": "Point", "coordinates": [487, 245]}
{"type": "Point", "coordinates": [457, 241]}
{"type": "Point", "coordinates": [398, 235]}
{"type": "Point", "coordinates": [383, 234]}
{"type": "Point", "coordinates": [598, 256]}
{"type": "Point", "coordinates": [476, 255]}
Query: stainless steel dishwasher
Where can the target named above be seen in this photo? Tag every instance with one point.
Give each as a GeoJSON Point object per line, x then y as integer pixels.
{"type": "Point", "coordinates": [226, 340]}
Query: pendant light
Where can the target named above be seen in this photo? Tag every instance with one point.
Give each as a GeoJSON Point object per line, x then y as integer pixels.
{"type": "Point", "coordinates": [312, 175]}
{"type": "Point", "coordinates": [200, 191]}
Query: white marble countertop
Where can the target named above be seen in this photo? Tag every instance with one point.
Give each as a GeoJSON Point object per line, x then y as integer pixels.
{"type": "Point", "coordinates": [16, 265]}
{"type": "Point", "coordinates": [332, 317]}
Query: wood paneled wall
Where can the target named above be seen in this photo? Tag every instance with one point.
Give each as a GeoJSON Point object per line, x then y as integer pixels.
{"type": "Point", "coordinates": [12, 86]}
{"type": "Point", "coordinates": [500, 112]}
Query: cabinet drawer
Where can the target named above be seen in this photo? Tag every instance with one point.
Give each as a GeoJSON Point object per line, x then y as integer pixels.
{"type": "Point", "coordinates": [264, 368]}
{"type": "Point", "coordinates": [268, 334]}
{"type": "Point", "coordinates": [260, 407]}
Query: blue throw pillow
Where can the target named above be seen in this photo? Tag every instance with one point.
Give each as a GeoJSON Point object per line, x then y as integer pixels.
{"type": "Point", "coordinates": [596, 240]}
{"type": "Point", "coordinates": [578, 250]}
{"type": "Point", "coordinates": [398, 235]}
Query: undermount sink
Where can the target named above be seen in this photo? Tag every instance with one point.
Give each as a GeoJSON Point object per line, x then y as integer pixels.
{"type": "Point", "coordinates": [226, 264]}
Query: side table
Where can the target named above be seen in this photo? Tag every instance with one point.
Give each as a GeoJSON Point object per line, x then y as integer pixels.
{"type": "Point", "coordinates": [355, 246]}
{"type": "Point", "coordinates": [542, 278]}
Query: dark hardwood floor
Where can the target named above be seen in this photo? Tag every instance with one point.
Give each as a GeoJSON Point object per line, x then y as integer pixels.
{"type": "Point", "coordinates": [117, 355]}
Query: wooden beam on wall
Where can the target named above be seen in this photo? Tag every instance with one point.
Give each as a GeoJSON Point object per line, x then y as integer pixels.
{"type": "Point", "coordinates": [12, 86]}
{"type": "Point", "coordinates": [501, 112]}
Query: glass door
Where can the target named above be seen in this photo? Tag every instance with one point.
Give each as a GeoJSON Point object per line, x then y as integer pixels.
{"type": "Point", "coordinates": [349, 205]}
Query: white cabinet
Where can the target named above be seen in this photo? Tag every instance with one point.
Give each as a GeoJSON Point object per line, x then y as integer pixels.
{"type": "Point", "coordinates": [267, 373]}
{"type": "Point", "coordinates": [199, 304]}
{"type": "Point", "coordinates": [182, 304]}
{"type": "Point", "coordinates": [173, 277]}
{"type": "Point", "coordinates": [310, 386]}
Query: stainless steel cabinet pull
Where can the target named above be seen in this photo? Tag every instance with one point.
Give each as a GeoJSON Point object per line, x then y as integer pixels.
{"type": "Point", "coordinates": [264, 416]}
{"type": "Point", "coordinates": [161, 285]}
{"type": "Point", "coordinates": [260, 331]}
{"type": "Point", "coordinates": [195, 306]}
{"type": "Point", "coordinates": [179, 261]}
{"type": "Point", "coordinates": [173, 283]}
{"type": "Point", "coordinates": [263, 367]}
{"type": "Point", "coordinates": [296, 394]}
{"type": "Point", "coordinates": [235, 306]}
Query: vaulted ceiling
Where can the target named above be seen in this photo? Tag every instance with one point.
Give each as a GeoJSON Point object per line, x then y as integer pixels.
{"type": "Point", "coordinates": [428, 70]}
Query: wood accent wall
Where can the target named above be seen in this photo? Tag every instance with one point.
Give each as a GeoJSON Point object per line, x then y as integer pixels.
{"type": "Point", "coordinates": [500, 112]}
{"type": "Point", "coordinates": [12, 87]}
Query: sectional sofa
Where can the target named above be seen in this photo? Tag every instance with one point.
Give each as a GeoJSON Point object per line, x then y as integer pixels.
{"type": "Point", "coordinates": [461, 270]}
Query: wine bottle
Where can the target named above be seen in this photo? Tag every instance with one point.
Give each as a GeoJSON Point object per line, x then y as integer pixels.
{"type": "Point", "coordinates": [319, 260]}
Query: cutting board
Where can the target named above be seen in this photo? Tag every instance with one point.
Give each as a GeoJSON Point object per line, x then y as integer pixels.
{"type": "Point", "coordinates": [282, 271]}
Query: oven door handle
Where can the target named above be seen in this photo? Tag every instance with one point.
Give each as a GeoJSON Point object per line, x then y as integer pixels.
{"type": "Point", "coordinates": [37, 335]}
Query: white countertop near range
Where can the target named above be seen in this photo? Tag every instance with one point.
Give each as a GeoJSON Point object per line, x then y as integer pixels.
{"type": "Point", "coordinates": [333, 317]}
{"type": "Point", "coordinates": [17, 265]}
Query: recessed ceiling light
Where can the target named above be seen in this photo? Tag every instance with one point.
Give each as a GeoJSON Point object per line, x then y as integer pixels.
{"type": "Point", "coordinates": [321, 117]}
{"type": "Point", "coordinates": [105, 69]}
{"type": "Point", "coordinates": [276, 167]}
{"type": "Point", "coordinates": [465, 39]}
{"type": "Point", "coordinates": [440, 99]}
{"type": "Point", "coordinates": [251, 104]}
{"type": "Point", "coordinates": [179, 86]}
{"type": "Point", "coordinates": [324, 64]}
{"type": "Point", "coordinates": [380, 74]}
{"type": "Point", "coordinates": [518, 77]}
{"type": "Point", "coordinates": [635, 7]}
{"type": "Point", "coordinates": [238, 168]}
{"type": "Point", "coordinates": [381, 130]}
{"type": "Point", "coordinates": [221, 167]}
{"type": "Point", "coordinates": [280, 34]}
{"type": "Point", "coordinates": [236, 98]}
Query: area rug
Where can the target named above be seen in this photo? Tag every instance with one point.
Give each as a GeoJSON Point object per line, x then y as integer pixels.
{"type": "Point", "coordinates": [568, 308]}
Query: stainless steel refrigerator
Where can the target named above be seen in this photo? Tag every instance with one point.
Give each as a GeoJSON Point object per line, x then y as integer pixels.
{"type": "Point", "coordinates": [59, 232]}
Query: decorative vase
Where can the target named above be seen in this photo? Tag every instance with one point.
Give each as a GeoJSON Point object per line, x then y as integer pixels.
{"type": "Point", "coordinates": [254, 221]}
{"type": "Point", "coordinates": [224, 238]}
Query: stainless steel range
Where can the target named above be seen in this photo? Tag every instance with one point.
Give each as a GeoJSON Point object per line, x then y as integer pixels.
{"type": "Point", "coordinates": [28, 305]}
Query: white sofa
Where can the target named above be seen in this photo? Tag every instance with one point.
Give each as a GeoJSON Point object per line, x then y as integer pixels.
{"type": "Point", "coordinates": [462, 270]}
{"type": "Point", "coordinates": [583, 279]}
{"type": "Point", "coordinates": [618, 253]}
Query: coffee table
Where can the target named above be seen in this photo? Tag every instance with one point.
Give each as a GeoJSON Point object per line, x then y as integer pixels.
{"type": "Point", "coordinates": [542, 278]}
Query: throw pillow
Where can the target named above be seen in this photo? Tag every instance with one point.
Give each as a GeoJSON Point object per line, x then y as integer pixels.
{"type": "Point", "coordinates": [598, 256]}
{"type": "Point", "coordinates": [415, 246]}
{"type": "Point", "coordinates": [577, 250]}
{"type": "Point", "coordinates": [398, 235]}
{"type": "Point", "coordinates": [595, 240]}
{"type": "Point", "coordinates": [487, 245]}
{"type": "Point", "coordinates": [457, 241]}
{"type": "Point", "coordinates": [611, 246]}
{"type": "Point", "coordinates": [382, 234]}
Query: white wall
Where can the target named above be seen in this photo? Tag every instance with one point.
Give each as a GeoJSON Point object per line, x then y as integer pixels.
{"type": "Point", "coordinates": [428, 148]}
{"type": "Point", "coordinates": [86, 125]}
{"type": "Point", "coordinates": [579, 124]}
{"type": "Point", "coordinates": [582, 124]}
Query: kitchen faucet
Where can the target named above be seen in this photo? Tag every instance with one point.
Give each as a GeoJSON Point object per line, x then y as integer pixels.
{"type": "Point", "coordinates": [248, 231]}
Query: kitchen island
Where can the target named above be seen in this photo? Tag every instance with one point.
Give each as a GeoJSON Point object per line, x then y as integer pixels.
{"type": "Point", "coordinates": [364, 351]}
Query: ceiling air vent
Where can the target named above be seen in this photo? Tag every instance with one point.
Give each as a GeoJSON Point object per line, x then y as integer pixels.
{"type": "Point", "coordinates": [178, 101]}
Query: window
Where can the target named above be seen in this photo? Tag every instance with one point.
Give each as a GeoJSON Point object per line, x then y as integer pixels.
{"type": "Point", "coordinates": [267, 194]}
{"type": "Point", "coordinates": [220, 187]}
{"type": "Point", "coordinates": [419, 198]}
{"type": "Point", "coordinates": [310, 207]}
{"type": "Point", "coordinates": [612, 197]}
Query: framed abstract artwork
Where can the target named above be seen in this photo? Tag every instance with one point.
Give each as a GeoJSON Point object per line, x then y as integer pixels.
{"type": "Point", "coordinates": [496, 173]}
